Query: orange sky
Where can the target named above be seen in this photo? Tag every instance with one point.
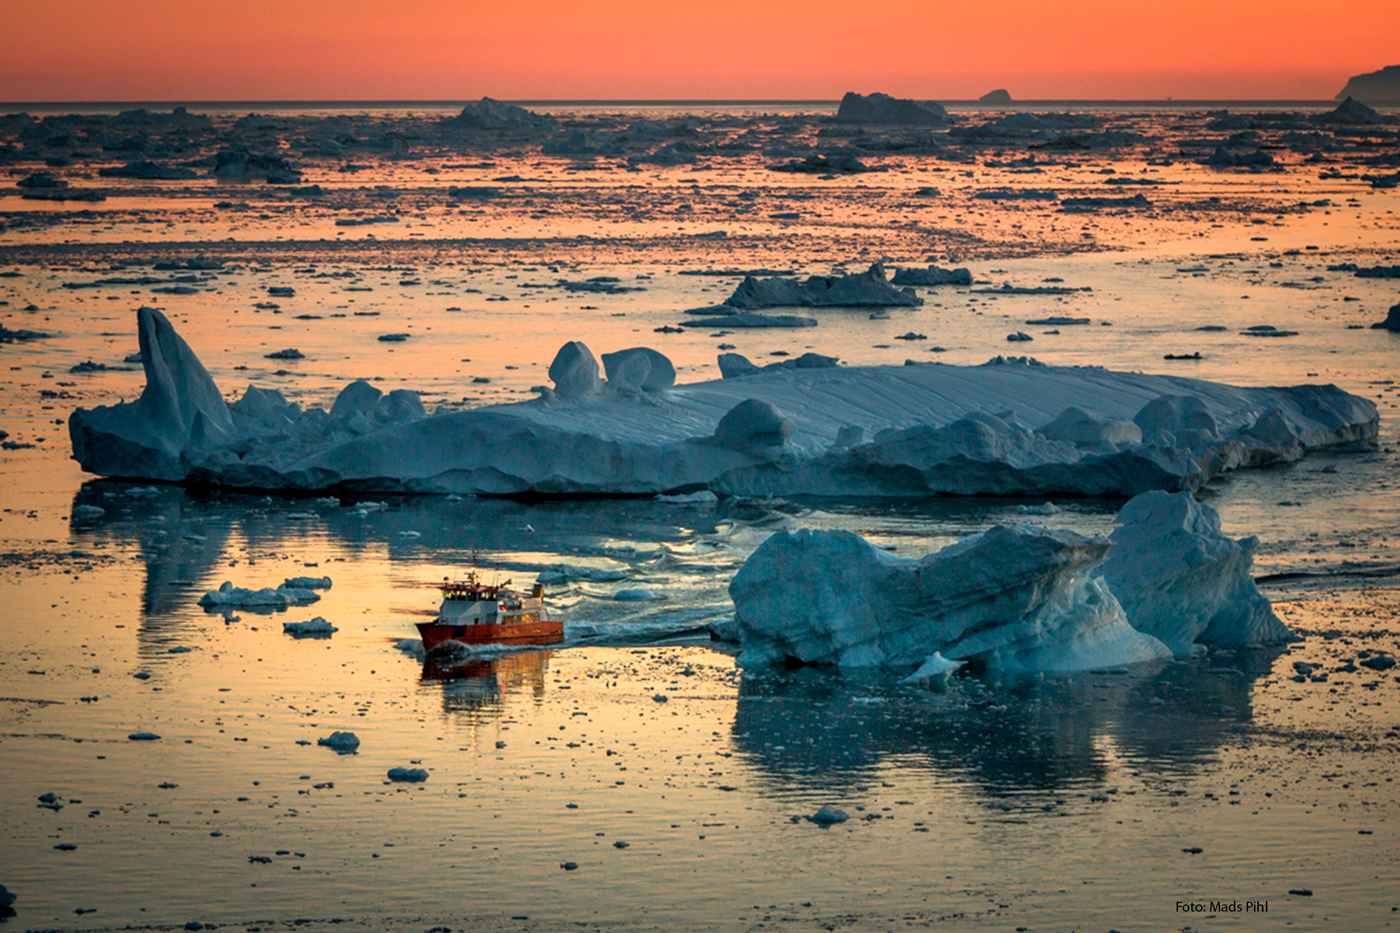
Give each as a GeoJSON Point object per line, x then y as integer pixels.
{"type": "Point", "coordinates": [160, 50]}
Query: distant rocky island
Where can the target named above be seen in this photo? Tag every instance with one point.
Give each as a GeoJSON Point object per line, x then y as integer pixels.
{"type": "Point", "coordinates": [1379, 87]}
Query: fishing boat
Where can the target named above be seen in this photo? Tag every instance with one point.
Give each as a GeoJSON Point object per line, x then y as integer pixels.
{"type": "Point", "coordinates": [478, 613]}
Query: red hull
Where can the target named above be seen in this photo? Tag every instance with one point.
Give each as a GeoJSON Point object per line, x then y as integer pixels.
{"type": "Point", "coordinates": [519, 633]}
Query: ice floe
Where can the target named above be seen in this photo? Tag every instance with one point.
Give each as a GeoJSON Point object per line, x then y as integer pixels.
{"type": "Point", "coordinates": [228, 596]}
{"type": "Point", "coordinates": [341, 742]}
{"type": "Point", "coordinates": [313, 628]}
{"type": "Point", "coordinates": [1003, 427]}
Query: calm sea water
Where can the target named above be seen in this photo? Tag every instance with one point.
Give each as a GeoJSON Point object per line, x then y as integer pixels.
{"type": "Point", "coordinates": [1044, 803]}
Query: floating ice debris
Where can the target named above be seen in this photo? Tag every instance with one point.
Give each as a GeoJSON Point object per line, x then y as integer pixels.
{"type": "Point", "coordinates": [1048, 508]}
{"type": "Point", "coordinates": [1017, 598]}
{"type": "Point", "coordinates": [607, 443]}
{"type": "Point", "coordinates": [934, 668]}
{"type": "Point", "coordinates": [750, 321]}
{"type": "Point", "coordinates": [1019, 336]}
{"type": "Point", "coordinates": [410, 534]}
{"type": "Point", "coordinates": [88, 511]}
{"type": "Point", "coordinates": [408, 774]}
{"type": "Point", "coordinates": [7, 897]}
{"type": "Point", "coordinates": [307, 583]}
{"type": "Point", "coordinates": [411, 646]}
{"type": "Point", "coordinates": [314, 628]}
{"type": "Point", "coordinates": [825, 164]}
{"type": "Point", "coordinates": [1182, 581]}
{"type": "Point", "coordinates": [230, 596]}
{"type": "Point", "coordinates": [828, 815]}
{"type": "Point", "coordinates": [143, 737]}
{"type": "Point", "coordinates": [179, 649]}
{"type": "Point", "coordinates": [933, 275]}
{"type": "Point", "coordinates": [342, 742]}
{"type": "Point", "coordinates": [858, 290]}
{"type": "Point", "coordinates": [704, 496]}
{"type": "Point", "coordinates": [638, 595]}
{"type": "Point", "coordinates": [291, 353]}
{"type": "Point", "coordinates": [563, 573]}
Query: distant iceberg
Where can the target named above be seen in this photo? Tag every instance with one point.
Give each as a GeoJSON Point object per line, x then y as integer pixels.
{"type": "Point", "coordinates": [1010, 427]}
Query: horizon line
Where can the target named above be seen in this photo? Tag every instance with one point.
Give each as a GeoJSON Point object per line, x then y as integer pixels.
{"type": "Point", "coordinates": [543, 102]}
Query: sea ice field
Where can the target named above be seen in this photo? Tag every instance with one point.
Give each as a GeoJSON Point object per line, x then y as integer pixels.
{"type": "Point", "coordinates": [162, 763]}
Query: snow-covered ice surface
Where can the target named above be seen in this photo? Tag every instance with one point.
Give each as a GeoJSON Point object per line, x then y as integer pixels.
{"type": "Point", "coordinates": [999, 778]}
{"type": "Point", "coordinates": [1008, 427]}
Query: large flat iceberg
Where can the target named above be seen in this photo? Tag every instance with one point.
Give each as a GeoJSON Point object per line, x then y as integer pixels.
{"type": "Point", "coordinates": [1007, 427]}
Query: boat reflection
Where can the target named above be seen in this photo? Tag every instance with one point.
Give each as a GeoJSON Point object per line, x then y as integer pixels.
{"type": "Point", "coordinates": [477, 684]}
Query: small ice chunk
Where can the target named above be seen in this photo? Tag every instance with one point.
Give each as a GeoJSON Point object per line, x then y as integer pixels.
{"type": "Point", "coordinates": [1048, 508]}
{"type": "Point", "coordinates": [828, 815]}
{"type": "Point", "coordinates": [7, 897]}
{"type": "Point", "coordinates": [563, 573]}
{"type": "Point", "coordinates": [701, 497]}
{"type": "Point", "coordinates": [88, 511]}
{"type": "Point", "coordinates": [314, 628]}
{"type": "Point", "coordinates": [638, 595]}
{"type": "Point", "coordinates": [143, 737]}
{"type": "Point", "coordinates": [230, 596]}
{"type": "Point", "coordinates": [342, 742]}
{"type": "Point", "coordinates": [408, 774]}
{"type": "Point", "coordinates": [307, 583]}
{"type": "Point", "coordinates": [935, 667]}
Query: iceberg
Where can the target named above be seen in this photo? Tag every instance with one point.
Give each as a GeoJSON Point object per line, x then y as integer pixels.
{"type": "Point", "coordinates": [883, 109]}
{"type": "Point", "coordinates": [1000, 428]}
{"type": "Point", "coordinates": [1182, 581]}
{"type": "Point", "coordinates": [1013, 597]}
{"type": "Point", "coordinates": [868, 289]}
